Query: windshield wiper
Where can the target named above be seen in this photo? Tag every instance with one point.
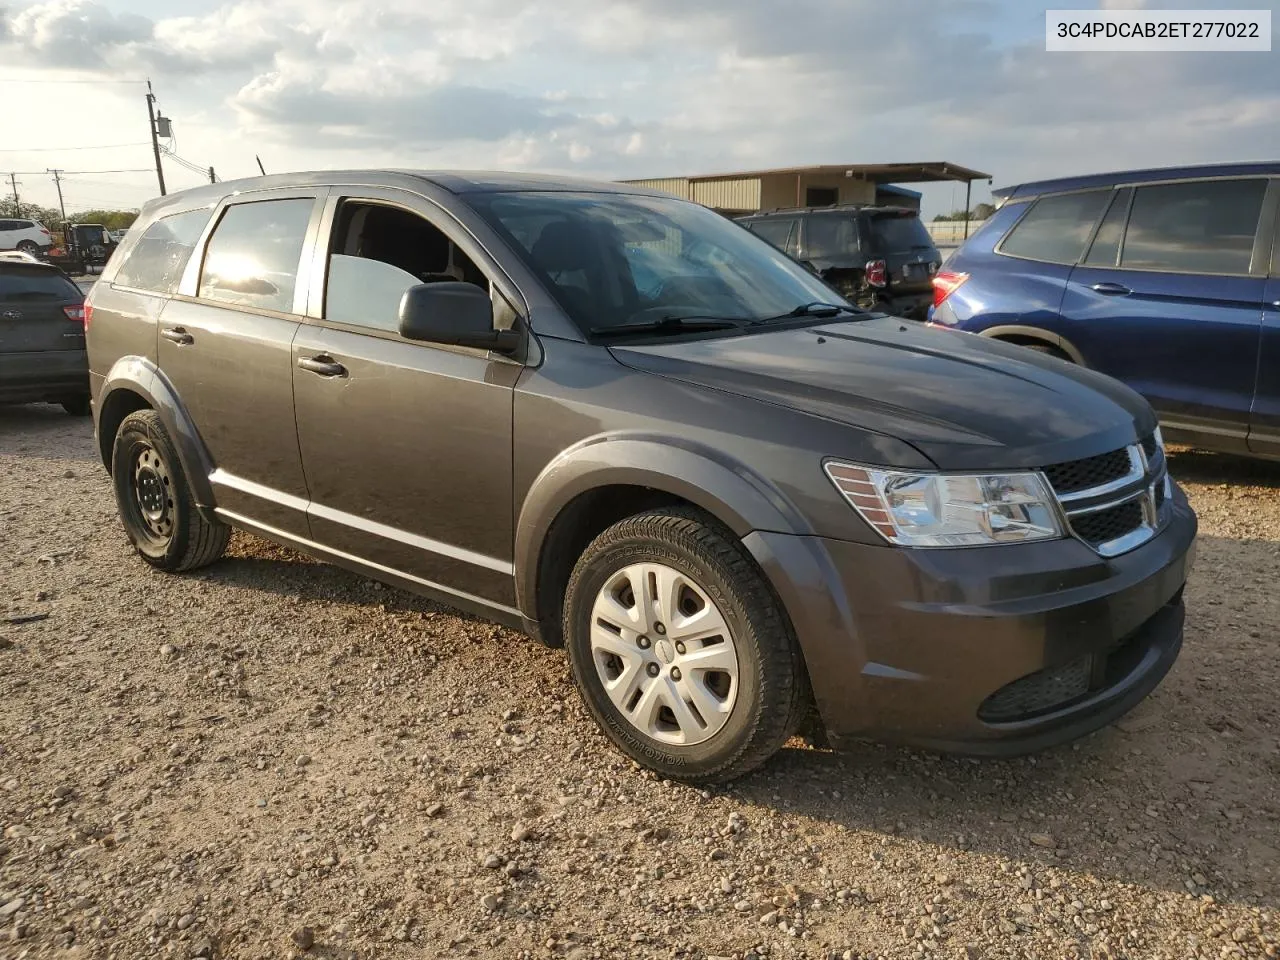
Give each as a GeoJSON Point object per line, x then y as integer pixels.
{"type": "Point", "coordinates": [668, 325]}
{"type": "Point", "coordinates": [816, 308]}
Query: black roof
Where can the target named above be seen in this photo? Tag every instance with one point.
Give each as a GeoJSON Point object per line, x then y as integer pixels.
{"type": "Point", "coordinates": [455, 181]}
{"type": "Point", "coordinates": [838, 208]}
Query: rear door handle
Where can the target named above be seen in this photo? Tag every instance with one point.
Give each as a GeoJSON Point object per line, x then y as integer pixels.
{"type": "Point", "coordinates": [1111, 289]}
{"type": "Point", "coordinates": [178, 335]}
{"type": "Point", "coordinates": [325, 366]}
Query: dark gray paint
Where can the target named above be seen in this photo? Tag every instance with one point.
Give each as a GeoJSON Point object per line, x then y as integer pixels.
{"type": "Point", "coordinates": [442, 470]}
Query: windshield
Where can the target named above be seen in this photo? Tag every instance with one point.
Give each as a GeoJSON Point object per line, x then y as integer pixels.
{"type": "Point", "coordinates": [898, 233]}
{"type": "Point", "coordinates": [614, 259]}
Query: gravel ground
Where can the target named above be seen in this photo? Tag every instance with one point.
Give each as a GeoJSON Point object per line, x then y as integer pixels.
{"type": "Point", "coordinates": [273, 757]}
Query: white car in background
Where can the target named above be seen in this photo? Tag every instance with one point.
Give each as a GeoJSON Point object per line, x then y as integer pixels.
{"type": "Point", "coordinates": [29, 236]}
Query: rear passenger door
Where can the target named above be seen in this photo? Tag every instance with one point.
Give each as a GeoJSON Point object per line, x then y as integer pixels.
{"type": "Point", "coordinates": [225, 343]}
{"type": "Point", "coordinates": [1169, 300]}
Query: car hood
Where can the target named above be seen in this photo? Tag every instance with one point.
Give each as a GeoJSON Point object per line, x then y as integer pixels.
{"type": "Point", "coordinates": [965, 402]}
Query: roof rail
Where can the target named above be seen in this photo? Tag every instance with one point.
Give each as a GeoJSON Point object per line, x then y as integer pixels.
{"type": "Point", "coordinates": [835, 206]}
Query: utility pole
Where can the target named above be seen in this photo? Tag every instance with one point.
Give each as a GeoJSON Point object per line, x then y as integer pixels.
{"type": "Point", "coordinates": [17, 206]}
{"type": "Point", "coordinates": [155, 141]}
{"type": "Point", "coordinates": [213, 177]}
{"type": "Point", "coordinates": [57, 179]}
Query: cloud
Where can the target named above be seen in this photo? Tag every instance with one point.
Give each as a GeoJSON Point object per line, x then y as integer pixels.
{"type": "Point", "coordinates": [655, 87]}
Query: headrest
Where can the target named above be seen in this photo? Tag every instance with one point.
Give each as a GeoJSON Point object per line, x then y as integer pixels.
{"type": "Point", "coordinates": [563, 245]}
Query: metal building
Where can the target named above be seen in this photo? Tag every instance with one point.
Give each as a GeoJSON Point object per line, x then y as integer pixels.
{"type": "Point", "coordinates": [740, 193]}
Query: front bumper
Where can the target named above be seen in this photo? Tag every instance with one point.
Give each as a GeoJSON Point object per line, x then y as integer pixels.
{"type": "Point", "coordinates": [981, 650]}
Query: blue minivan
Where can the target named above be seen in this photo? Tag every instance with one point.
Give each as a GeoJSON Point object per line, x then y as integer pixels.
{"type": "Point", "coordinates": [1167, 279]}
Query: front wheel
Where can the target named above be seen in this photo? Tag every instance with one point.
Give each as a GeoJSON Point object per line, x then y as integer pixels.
{"type": "Point", "coordinates": [157, 510]}
{"type": "Point", "coordinates": [680, 649]}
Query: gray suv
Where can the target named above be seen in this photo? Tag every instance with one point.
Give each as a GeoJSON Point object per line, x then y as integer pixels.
{"type": "Point", "coordinates": [624, 424]}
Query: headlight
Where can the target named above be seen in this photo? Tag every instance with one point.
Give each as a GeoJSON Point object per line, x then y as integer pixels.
{"type": "Point", "coordinates": [947, 509]}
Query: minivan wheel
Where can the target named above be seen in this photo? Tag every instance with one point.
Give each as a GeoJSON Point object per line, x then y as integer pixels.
{"type": "Point", "coordinates": [155, 505]}
{"type": "Point", "coordinates": [680, 649]}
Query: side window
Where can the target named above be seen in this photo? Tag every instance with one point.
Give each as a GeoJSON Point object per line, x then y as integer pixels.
{"type": "Point", "coordinates": [1106, 245]}
{"type": "Point", "coordinates": [1205, 227]}
{"type": "Point", "coordinates": [161, 253]}
{"type": "Point", "coordinates": [781, 233]}
{"type": "Point", "coordinates": [252, 257]}
{"type": "Point", "coordinates": [1056, 228]}
{"type": "Point", "coordinates": [830, 237]}
{"type": "Point", "coordinates": [377, 253]}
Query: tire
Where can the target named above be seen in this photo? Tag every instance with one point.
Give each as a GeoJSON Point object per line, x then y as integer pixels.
{"type": "Point", "coordinates": [76, 406]}
{"type": "Point", "coordinates": [154, 501]}
{"type": "Point", "coordinates": [744, 718]}
{"type": "Point", "coordinates": [29, 247]}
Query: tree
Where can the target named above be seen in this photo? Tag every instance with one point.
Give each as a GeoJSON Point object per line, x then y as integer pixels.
{"type": "Point", "coordinates": [982, 211]}
{"type": "Point", "coordinates": [111, 219]}
{"type": "Point", "coordinates": [31, 211]}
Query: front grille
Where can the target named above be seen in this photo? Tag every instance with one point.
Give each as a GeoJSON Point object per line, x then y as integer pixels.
{"type": "Point", "coordinates": [1075, 475]}
{"type": "Point", "coordinates": [1106, 525]}
{"type": "Point", "coordinates": [1038, 692]}
{"type": "Point", "coordinates": [1149, 445]}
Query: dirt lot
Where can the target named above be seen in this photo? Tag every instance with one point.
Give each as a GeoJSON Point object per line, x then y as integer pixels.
{"type": "Point", "coordinates": [274, 753]}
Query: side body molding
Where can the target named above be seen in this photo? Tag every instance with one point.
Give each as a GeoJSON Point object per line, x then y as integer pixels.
{"type": "Point", "coordinates": [733, 493]}
{"type": "Point", "coordinates": [140, 376]}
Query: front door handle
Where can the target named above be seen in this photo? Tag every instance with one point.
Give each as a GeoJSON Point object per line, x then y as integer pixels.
{"type": "Point", "coordinates": [323, 365]}
{"type": "Point", "coordinates": [1111, 289]}
{"type": "Point", "coordinates": [178, 335]}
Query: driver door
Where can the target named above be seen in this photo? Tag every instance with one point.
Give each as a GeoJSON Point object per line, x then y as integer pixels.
{"type": "Point", "coordinates": [406, 446]}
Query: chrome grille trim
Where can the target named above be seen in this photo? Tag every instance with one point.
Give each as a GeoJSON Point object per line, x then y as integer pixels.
{"type": "Point", "coordinates": [1146, 475]}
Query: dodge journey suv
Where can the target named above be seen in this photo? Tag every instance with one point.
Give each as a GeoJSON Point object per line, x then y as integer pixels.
{"type": "Point", "coordinates": [736, 499]}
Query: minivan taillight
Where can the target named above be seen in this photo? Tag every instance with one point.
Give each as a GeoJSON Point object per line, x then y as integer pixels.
{"type": "Point", "coordinates": [945, 283]}
{"type": "Point", "coordinates": [877, 273]}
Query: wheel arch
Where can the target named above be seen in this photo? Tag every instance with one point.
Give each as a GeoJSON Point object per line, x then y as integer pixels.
{"type": "Point", "coordinates": [1024, 334]}
{"type": "Point", "coordinates": [600, 481]}
{"type": "Point", "coordinates": [136, 383]}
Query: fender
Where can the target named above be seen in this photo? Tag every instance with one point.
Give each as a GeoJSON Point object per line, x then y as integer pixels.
{"type": "Point", "coordinates": [141, 376]}
{"type": "Point", "coordinates": [731, 492]}
{"type": "Point", "coordinates": [1036, 333]}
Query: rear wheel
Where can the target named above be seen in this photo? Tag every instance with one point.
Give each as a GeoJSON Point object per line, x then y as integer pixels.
{"type": "Point", "coordinates": [155, 504]}
{"type": "Point", "coordinates": [29, 247]}
{"type": "Point", "coordinates": [679, 648]}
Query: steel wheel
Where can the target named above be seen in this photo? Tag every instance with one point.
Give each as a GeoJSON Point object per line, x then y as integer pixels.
{"type": "Point", "coordinates": [153, 491]}
{"type": "Point", "coordinates": [664, 654]}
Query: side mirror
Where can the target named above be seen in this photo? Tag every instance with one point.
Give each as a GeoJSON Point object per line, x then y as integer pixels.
{"type": "Point", "coordinates": [460, 314]}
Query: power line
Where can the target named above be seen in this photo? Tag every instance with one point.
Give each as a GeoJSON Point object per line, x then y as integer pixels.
{"type": "Point", "coordinates": [46, 80]}
{"type": "Point", "coordinates": [79, 172]}
{"type": "Point", "coordinates": [105, 146]}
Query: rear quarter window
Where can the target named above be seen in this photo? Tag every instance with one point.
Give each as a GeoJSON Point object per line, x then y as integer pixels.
{"type": "Point", "coordinates": [899, 233]}
{"type": "Point", "coordinates": [158, 259]}
{"type": "Point", "coordinates": [19, 284]}
{"type": "Point", "coordinates": [1056, 229]}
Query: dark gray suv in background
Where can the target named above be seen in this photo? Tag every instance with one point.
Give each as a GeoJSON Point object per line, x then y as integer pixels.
{"type": "Point", "coordinates": [624, 424]}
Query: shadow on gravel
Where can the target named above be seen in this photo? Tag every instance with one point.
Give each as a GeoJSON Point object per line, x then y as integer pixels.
{"type": "Point", "coordinates": [294, 575]}
{"type": "Point", "coordinates": [45, 430]}
{"type": "Point", "coordinates": [1201, 466]}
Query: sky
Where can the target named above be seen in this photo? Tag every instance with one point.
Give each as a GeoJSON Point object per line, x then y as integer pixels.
{"type": "Point", "coordinates": [602, 88]}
